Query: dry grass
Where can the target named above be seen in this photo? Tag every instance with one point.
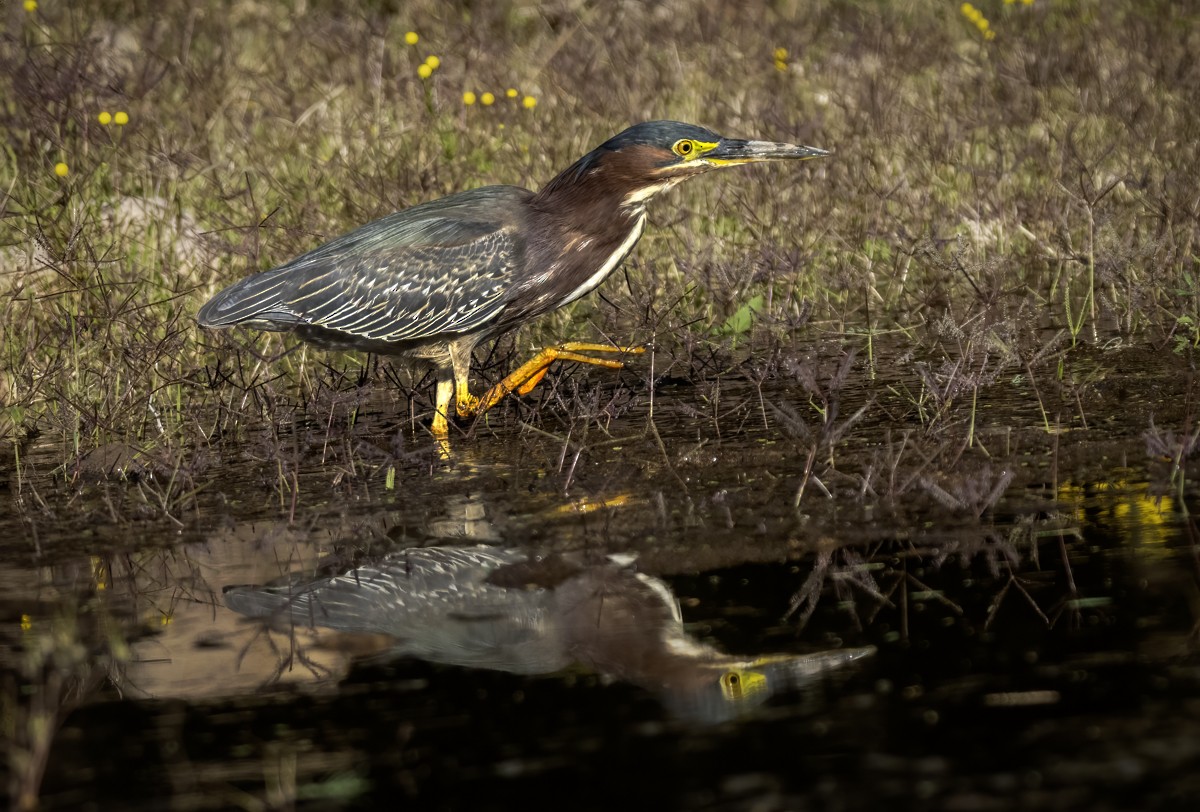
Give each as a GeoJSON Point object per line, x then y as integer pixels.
{"type": "Point", "coordinates": [979, 187]}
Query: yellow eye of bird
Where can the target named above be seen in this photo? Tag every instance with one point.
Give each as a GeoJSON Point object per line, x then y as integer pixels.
{"type": "Point", "coordinates": [684, 148]}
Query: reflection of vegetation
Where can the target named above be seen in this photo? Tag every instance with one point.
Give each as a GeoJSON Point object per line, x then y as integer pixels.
{"type": "Point", "coordinates": [1019, 557]}
{"type": "Point", "coordinates": [55, 667]}
{"type": "Point", "coordinates": [1127, 509]}
{"type": "Point", "coordinates": [1175, 448]}
{"type": "Point", "coordinates": [895, 580]}
{"type": "Point", "coordinates": [961, 565]}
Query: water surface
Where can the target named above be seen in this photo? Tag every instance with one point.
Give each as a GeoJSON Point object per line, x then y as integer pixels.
{"type": "Point", "coordinates": [1025, 567]}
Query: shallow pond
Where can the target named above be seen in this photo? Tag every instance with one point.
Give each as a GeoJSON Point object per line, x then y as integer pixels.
{"type": "Point", "coordinates": [979, 600]}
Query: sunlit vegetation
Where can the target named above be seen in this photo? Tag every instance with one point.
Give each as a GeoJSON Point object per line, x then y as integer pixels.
{"type": "Point", "coordinates": [984, 185]}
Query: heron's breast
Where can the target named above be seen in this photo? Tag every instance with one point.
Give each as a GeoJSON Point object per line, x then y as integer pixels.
{"type": "Point", "coordinates": [591, 262]}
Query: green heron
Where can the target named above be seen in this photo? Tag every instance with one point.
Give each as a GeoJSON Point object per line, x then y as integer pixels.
{"type": "Point", "coordinates": [511, 610]}
{"type": "Point", "coordinates": [431, 282]}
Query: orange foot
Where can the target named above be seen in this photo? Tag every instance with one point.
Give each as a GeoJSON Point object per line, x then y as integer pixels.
{"type": "Point", "coordinates": [523, 379]}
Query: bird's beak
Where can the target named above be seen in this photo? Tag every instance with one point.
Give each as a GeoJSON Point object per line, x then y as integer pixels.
{"type": "Point", "coordinates": [732, 151]}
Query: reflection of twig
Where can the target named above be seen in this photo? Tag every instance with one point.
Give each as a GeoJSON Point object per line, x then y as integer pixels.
{"type": "Point", "coordinates": [852, 572]}
{"type": "Point", "coordinates": [933, 593]}
{"type": "Point", "coordinates": [855, 574]}
{"type": "Point", "coordinates": [1014, 581]}
{"type": "Point", "coordinates": [1066, 560]}
{"type": "Point", "coordinates": [666, 456]}
{"type": "Point", "coordinates": [901, 578]}
{"type": "Point", "coordinates": [1170, 446]}
{"type": "Point", "coordinates": [808, 466]}
{"type": "Point", "coordinates": [286, 660]}
{"type": "Point", "coordinates": [1071, 601]}
{"type": "Point", "coordinates": [808, 593]}
{"type": "Point", "coordinates": [976, 493]}
{"type": "Point", "coordinates": [880, 573]}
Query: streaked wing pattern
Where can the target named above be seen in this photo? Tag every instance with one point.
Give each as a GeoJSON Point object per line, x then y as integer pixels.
{"type": "Point", "coordinates": [395, 592]}
{"type": "Point", "coordinates": [404, 293]}
{"type": "Point", "coordinates": [439, 268]}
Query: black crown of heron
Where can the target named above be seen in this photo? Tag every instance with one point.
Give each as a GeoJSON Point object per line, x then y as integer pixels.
{"type": "Point", "coordinates": [431, 282]}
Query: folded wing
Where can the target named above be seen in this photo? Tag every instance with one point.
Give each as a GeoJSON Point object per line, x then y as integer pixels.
{"type": "Point", "coordinates": [436, 269]}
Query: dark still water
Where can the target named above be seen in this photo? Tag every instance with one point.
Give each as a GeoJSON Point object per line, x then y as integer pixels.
{"type": "Point", "coordinates": [731, 607]}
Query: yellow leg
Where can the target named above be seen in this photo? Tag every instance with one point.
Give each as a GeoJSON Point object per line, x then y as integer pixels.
{"type": "Point", "coordinates": [441, 421]}
{"type": "Point", "coordinates": [523, 379]}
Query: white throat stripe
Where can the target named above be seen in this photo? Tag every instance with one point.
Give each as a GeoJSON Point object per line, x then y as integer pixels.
{"type": "Point", "coordinates": [611, 263]}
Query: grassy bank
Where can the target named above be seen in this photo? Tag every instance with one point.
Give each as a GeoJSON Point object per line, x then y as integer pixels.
{"type": "Point", "coordinates": [991, 178]}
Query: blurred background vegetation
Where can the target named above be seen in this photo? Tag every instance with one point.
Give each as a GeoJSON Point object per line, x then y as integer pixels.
{"type": "Point", "coordinates": [1007, 178]}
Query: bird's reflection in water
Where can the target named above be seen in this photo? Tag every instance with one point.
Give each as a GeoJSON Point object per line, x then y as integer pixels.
{"type": "Point", "coordinates": [511, 610]}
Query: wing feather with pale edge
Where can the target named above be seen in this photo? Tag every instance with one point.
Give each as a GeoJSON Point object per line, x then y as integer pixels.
{"type": "Point", "coordinates": [438, 268]}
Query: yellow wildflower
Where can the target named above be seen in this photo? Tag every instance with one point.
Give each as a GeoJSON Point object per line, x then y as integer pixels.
{"type": "Point", "coordinates": [976, 16]}
{"type": "Point", "coordinates": [424, 71]}
{"type": "Point", "coordinates": [411, 38]}
{"type": "Point", "coordinates": [781, 54]}
{"type": "Point", "coordinates": [487, 99]}
{"type": "Point", "coordinates": [31, 6]}
{"type": "Point", "coordinates": [511, 93]}
{"type": "Point", "coordinates": [433, 62]}
{"type": "Point", "coordinates": [61, 169]}
{"type": "Point", "coordinates": [121, 118]}
{"type": "Point", "coordinates": [105, 118]}
{"type": "Point", "coordinates": [468, 98]}
{"type": "Point", "coordinates": [530, 102]}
